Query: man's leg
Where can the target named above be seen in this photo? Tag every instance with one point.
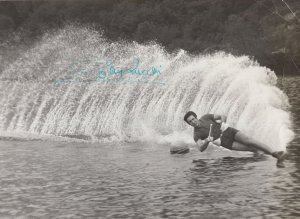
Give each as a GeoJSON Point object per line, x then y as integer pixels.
{"type": "Point", "coordinates": [236, 146]}
{"type": "Point", "coordinates": [252, 143]}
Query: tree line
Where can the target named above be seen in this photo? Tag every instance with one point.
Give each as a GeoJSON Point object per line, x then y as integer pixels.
{"type": "Point", "coordinates": [268, 30]}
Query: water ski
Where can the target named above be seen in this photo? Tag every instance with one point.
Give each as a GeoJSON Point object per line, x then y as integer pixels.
{"type": "Point", "coordinates": [179, 150]}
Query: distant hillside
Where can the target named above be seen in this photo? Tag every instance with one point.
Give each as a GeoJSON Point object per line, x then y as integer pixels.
{"type": "Point", "coordinates": [268, 30]}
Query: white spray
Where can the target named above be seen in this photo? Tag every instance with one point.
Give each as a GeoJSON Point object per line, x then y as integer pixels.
{"type": "Point", "coordinates": [36, 97]}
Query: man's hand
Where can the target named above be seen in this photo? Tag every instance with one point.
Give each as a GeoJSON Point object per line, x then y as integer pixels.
{"type": "Point", "coordinates": [203, 144]}
{"type": "Point", "coordinates": [210, 139]}
{"type": "Point", "coordinates": [220, 118]}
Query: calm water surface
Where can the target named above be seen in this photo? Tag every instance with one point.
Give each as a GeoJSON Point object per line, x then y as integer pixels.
{"type": "Point", "coordinates": [42, 179]}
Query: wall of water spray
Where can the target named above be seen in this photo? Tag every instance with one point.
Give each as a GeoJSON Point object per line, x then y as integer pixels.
{"type": "Point", "coordinates": [54, 89]}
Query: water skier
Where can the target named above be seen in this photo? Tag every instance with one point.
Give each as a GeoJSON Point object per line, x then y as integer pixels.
{"type": "Point", "coordinates": [212, 128]}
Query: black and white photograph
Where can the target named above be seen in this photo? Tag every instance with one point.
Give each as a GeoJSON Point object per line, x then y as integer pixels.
{"type": "Point", "coordinates": [182, 109]}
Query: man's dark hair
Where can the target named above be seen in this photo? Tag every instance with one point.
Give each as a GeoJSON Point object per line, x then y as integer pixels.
{"type": "Point", "coordinates": [189, 113]}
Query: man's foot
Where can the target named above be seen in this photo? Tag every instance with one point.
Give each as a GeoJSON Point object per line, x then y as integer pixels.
{"type": "Point", "coordinates": [280, 155]}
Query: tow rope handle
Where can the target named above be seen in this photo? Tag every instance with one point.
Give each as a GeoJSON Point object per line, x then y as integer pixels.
{"type": "Point", "coordinates": [209, 135]}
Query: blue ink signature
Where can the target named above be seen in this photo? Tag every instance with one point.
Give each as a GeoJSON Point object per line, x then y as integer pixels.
{"type": "Point", "coordinates": [109, 73]}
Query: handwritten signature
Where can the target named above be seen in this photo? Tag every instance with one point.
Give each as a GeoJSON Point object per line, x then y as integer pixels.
{"type": "Point", "coordinates": [110, 73]}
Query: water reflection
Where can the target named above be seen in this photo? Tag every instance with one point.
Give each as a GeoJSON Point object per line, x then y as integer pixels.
{"type": "Point", "coordinates": [226, 165]}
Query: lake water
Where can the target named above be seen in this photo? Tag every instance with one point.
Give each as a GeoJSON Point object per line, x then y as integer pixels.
{"type": "Point", "coordinates": [45, 179]}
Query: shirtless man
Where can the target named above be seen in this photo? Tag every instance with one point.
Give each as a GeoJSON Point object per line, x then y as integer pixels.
{"type": "Point", "coordinates": [212, 128]}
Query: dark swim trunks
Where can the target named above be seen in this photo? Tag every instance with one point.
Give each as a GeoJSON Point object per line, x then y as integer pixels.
{"type": "Point", "coordinates": [227, 137]}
